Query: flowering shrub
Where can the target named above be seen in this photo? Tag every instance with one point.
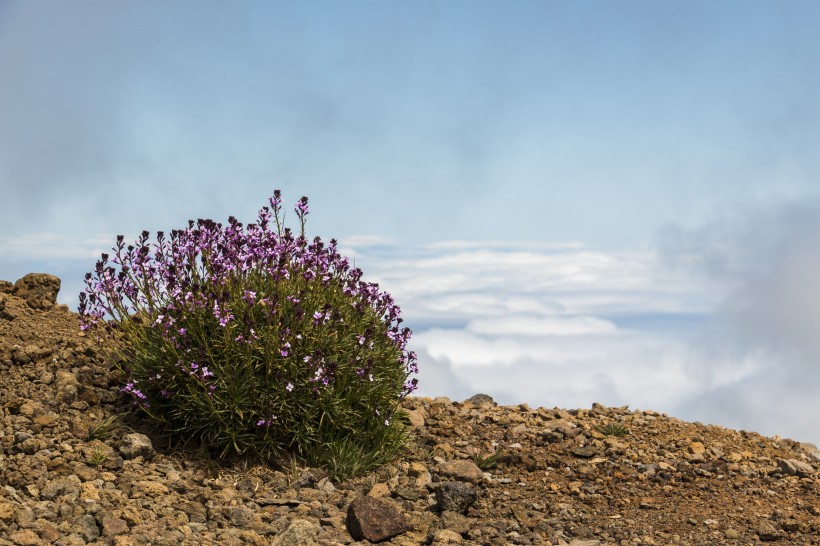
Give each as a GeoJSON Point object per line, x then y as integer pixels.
{"type": "Point", "coordinates": [252, 340]}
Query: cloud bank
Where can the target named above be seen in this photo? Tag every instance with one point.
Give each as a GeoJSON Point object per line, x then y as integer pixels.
{"type": "Point", "coordinates": [717, 324]}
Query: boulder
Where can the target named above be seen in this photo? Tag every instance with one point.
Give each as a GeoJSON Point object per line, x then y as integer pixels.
{"type": "Point", "coordinates": [374, 519]}
{"type": "Point", "coordinates": [39, 290]}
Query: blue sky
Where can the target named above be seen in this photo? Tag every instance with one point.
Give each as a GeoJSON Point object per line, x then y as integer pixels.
{"type": "Point", "coordinates": [572, 201]}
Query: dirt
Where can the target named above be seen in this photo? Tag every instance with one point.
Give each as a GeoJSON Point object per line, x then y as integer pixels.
{"type": "Point", "coordinates": [474, 473]}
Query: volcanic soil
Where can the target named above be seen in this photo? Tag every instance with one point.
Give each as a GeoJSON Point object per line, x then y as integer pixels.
{"type": "Point", "coordinates": [474, 473]}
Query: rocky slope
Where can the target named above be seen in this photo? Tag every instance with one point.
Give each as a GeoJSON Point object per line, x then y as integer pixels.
{"type": "Point", "coordinates": [476, 473]}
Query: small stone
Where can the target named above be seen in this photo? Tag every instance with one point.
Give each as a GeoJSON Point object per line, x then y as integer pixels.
{"type": "Point", "coordinates": [136, 445]}
{"type": "Point", "coordinates": [7, 511]}
{"type": "Point", "coordinates": [374, 520]}
{"type": "Point", "coordinates": [86, 526]}
{"type": "Point", "coordinates": [517, 431]}
{"type": "Point", "coordinates": [766, 531]}
{"type": "Point", "coordinates": [455, 497]}
{"type": "Point", "coordinates": [89, 491]}
{"type": "Point", "coordinates": [299, 532]}
{"type": "Point", "coordinates": [150, 488]}
{"type": "Point", "coordinates": [66, 386]}
{"type": "Point", "coordinates": [446, 536]}
{"type": "Point", "coordinates": [420, 474]}
{"type": "Point", "coordinates": [461, 470]}
{"type": "Point", "coordinates": [733, 457]}
{"type": "Point", "coordinates": [696, 448]}
{"type": "Point", "coordinates": [240, 516]}
{"type": "Point", "coordinates": [410, 493]}
{"type": "Point", "coordinates": [379, 491]}
{"type": "Point", "coordinates": [585, 542]}
{"type": "Point", "coordinates": [63, 487]}
{"type": "Point", "coordinates": [585, 452]}
{"type": "Point", "coordinates": [26, 537]}
{"type": "Point", "coordinates": [113, 526]}
{"type": "Point", "coordinates": [45, 420]}
{"type": "Point", "coordinates": [455, 522]}
{"type": "Point", "coordinates": [416, 418]}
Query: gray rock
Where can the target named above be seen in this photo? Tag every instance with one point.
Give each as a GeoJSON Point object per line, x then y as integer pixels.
{"type": "Point", "coordinates": [793, 467]}
{"type": "Point", "coordinates": [299, 532]}
{"type": "Point", "coordinates": [767, 532]}
{"type": "Point", "coordinates": [66, 386]}
{"type": "Point", "coordinates": [136, 445]}
{"type": "Point", "coordinates": [39, 290]}
{"type": "Point", "coordinates": [455, 522]}
{"type": "Point", "coordinates": [811, 450]}
{"type": "Point", "coordinates": [374, 520]}
{"type": "Point", "coordinates": [585, 452]}
{"type": "Point", "coordinates": [87, 527]}
{"type": "Point", "coordinates": [240, 516]}
{"type": "Point", "coordinates": [69, 487]}
{"type": "Point", "coordinates": [455, 497]}
{"type": "Point", "coordinates": [481, 399]}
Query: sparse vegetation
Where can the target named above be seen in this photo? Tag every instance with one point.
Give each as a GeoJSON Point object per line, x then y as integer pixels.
{"type": "Point", "coordinates": [612, 429]}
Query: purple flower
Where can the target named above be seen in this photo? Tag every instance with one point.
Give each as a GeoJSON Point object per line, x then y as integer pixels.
{"type": "Point", "coordinates": [266, 422]}
{"type": "Point", "coordinates": [301, 207]}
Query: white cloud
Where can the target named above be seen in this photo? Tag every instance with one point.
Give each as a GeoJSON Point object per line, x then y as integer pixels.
{"type": "Point", "coordinates": [53, 246]}
{"type": "Point", "coordinates": [758, 362]}
{"type": "Point", "coordinates": [523, 325]}
{"type": "Point", "coordinates": [546, 325]}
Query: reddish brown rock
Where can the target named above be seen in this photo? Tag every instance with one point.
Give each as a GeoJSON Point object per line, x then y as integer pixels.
{"type": "Point", "coordinates": [374, 519]}
{"type": "Point", "coordinates": [39, 290]}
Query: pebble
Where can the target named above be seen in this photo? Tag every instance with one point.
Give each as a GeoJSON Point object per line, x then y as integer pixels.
{"type": "Point", "coordinates": [558, 478]}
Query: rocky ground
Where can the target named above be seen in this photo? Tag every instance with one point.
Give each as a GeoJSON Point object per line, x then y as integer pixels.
{"type": "Point", "coordinates": [476, 472]}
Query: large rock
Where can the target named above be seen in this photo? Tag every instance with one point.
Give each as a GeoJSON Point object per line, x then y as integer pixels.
{"type": "Point", "coordinates": [793, 467]}
{"type": "Point", "coordinates": [480, 400]}
{"type": "Point", "coordinates": [374, 520]}
{"type": "Point", "coordinates": [136, 445]}
{"type": "Point", "coordinates": [455, 497]}
{"type": "Point", "coordinates": [39, 290]}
